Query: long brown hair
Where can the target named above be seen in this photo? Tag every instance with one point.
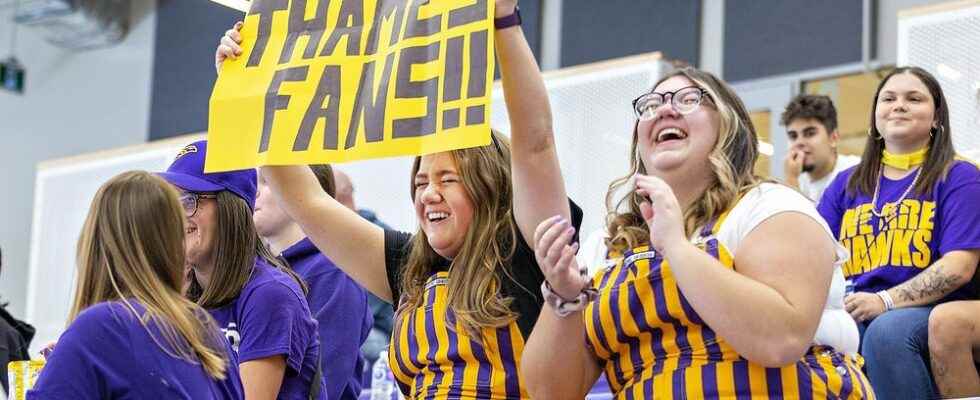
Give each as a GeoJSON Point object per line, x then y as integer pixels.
{"type": "Point", "coordinates": [236, 246]}
{"type": "Point", "coordinates": [941, 153]}
{"type": "Point", "coordinates": [474, 286]}
{"type": "Point", "coordinates": [132, 247]}
{"type": "Point", "coordinates": [731, 163]}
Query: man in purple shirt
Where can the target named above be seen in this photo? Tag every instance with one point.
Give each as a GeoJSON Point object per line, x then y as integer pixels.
{"type": "Point", "coordinates": [337, 302]}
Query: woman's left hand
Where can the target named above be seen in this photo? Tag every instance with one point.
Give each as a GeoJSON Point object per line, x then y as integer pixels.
{"type": "Point", "coordinates": [503, 8]}
{"type": "Point", "coordinates": [864, 306]}
{"type": "Point", "coordinates": [661, 211]}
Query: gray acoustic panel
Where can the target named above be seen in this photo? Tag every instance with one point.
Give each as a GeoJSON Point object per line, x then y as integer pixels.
{"type": "Point", "coordinates": [183, 66]}
{"type": "Point", "coordinates": [601, 30]}
{"type": "Point", "coordinates": [773, 37]}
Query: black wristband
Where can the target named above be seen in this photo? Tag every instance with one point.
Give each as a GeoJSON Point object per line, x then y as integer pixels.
{"type": "Point", "coordinates": [508, 21]}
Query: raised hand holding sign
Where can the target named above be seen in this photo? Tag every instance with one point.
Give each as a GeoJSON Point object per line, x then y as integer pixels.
{"type": "Point", "coordinates": [339, 80]}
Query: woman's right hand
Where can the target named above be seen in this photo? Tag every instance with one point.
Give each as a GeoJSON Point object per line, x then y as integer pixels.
{"type": "Point", "coordinates": [556, 257]}
{"type": "Point", "coordinates": [229, 46]}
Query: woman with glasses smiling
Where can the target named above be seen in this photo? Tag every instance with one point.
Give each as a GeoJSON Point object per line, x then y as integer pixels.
{"type": "Point", "coordinates": [705, 293]}
{"type": "Point", "coordinates": [259, 304]}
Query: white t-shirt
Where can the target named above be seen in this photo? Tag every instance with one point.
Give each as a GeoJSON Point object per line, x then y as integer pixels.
{"type": "Point", "coordinates": [814, 189]}
{"type": "Point", "coordinates": [592, 251]}
{"type": "Point", "coordinates": [837, 329]}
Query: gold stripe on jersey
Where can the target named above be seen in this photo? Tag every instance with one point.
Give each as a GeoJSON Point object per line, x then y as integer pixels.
{"type": "Point", "coordinates": [433, 357]}
{"type": "Point", "coordinates": [652, 343]}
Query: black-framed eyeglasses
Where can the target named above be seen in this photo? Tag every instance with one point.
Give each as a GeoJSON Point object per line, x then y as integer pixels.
{"type": "Point", "coordinates": [190, 200]}
{"type": "Point", "coordinates": [684, 100]}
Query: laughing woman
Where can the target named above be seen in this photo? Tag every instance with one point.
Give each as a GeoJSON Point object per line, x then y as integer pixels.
{"type": "Point", "coordinates": [705, 295]}
{"type": "Point", "coordinates": [465, 284]}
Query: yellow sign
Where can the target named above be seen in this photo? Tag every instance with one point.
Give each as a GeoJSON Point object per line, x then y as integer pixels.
{"type": "Point", "coordinates": [340, 80]}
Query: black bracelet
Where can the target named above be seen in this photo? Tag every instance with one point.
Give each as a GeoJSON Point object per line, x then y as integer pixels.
{"type": "Point", "coordinates": [508, 21]}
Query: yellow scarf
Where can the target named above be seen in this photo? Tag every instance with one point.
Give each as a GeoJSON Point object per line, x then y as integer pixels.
{"type": "Point", "coordinates": [904, 161]}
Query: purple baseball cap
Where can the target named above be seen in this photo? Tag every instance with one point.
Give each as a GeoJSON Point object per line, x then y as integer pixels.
{"type": "Point", "coordinates": [187, 173]}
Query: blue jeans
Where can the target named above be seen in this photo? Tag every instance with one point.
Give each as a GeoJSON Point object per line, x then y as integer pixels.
{"type": "Point", "coordinates": [895, 346]}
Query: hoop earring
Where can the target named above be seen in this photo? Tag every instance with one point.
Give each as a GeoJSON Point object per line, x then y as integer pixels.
{"type": "Point", "coordinates": [936, 130]}
{"type": "Point", "coordinates": [876, 137]}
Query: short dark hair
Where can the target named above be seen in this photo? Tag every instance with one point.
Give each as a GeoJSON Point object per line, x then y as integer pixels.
{"type": "Point", "coordinates": [324, 174]}
{"type": "Point", "coordinates": [816, 106]}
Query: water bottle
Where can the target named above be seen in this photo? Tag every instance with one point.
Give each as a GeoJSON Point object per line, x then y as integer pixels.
{"type": "Point", "coordinates": [382, 382]}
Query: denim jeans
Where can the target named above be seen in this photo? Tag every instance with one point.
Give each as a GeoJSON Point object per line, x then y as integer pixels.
{"type": "Point", "coordinates": [895, 346]}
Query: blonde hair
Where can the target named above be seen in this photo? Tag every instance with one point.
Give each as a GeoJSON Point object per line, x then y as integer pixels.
{"type": "Point", "coordinates": [132, 247]}
{"type": "Point", "coordinates": [474, 286]}
{"type": "Point", "coordinates": [731, 163]}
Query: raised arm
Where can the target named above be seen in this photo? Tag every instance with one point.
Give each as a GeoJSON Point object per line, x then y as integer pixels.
{"type": "Point", "coordinates": [539, 191]}
{"type": "Point", "coordinates": [351, 242]}
{"type": "Point", "coordinates": [354, 244]}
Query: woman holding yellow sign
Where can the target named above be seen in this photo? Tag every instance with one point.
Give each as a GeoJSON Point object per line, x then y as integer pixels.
{"type": "Point", "coordinates": [466, 285]}
{"type": "Point", "coordinates": [132, 334]}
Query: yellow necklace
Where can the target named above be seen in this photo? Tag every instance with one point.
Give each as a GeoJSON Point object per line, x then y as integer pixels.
{"type": "Point", "coordinates": [904, 162]}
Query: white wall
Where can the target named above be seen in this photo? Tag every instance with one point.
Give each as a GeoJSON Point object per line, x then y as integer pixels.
{"type": "Point", "coordinates": [74, 102]}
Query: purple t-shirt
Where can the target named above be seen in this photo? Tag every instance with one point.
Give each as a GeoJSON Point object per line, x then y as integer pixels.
{"type": "Point", "coordinates": [887, 253]}
{"type": "Point", "coordinates": [107, 354]}
{"type": "Point", "coordinates": [341, 310]}
{"type": "Point", "coordinates": [270, 317]}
